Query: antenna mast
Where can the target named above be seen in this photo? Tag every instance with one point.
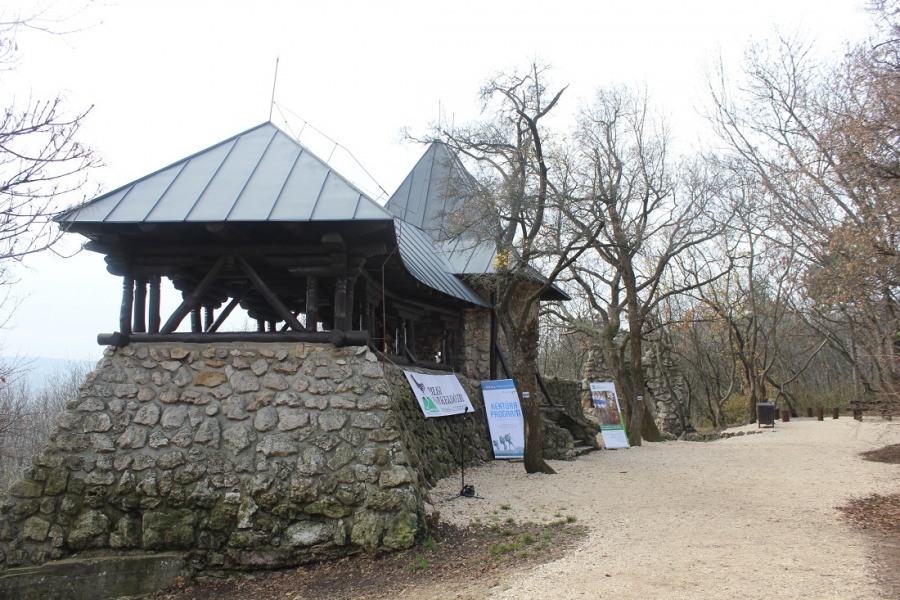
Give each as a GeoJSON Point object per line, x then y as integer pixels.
{"type": "Point", "coordinates": [274, 82]}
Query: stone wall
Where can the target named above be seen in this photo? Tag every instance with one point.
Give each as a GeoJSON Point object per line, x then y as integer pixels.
{"type": "Point", "coordinates": [240, 455]}
{"type": "Point", "coordinates": [476, 344]}
{"type": "Point", "coordinates": [665, 387]}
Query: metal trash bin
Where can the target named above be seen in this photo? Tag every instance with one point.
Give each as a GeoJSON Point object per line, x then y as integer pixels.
{"type": "Point", "coordinates": [765, 414]}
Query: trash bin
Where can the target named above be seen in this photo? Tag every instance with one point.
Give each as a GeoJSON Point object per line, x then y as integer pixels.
{"type": "Point", "coordinates": [765, 414]}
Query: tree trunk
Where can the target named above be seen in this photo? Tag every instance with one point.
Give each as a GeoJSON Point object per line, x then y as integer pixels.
{"type": "Point", "coordinates": [523, 346]}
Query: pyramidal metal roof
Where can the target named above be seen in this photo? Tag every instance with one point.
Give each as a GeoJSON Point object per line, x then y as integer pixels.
{"type": "Point", "coordinates": [262, 174]}
{"type": "Point", "coordinates": [428, 198]}
{"type": "Point", "coordinates": [432, 192]}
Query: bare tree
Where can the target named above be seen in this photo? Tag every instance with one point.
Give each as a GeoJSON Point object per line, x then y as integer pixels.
{"type": "Point", "coordinates": [43, 166]}
{"type": "Point", "coordinates": [821, 139]}
{"type": "Point", "coordinates": [655, 216]}
{"type": "Point", "coordinates": [515, 204]}
{"type": "Point", "coordinates": [28, 414]}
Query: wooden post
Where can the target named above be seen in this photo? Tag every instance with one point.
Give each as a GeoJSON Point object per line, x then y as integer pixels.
{"type": "Point", "coordinates": [809, 411]}
{"type": "Point", "coordinates": [836, 414]}
{"type": "Point", "coordinates": [785, 415]}
{"type": "Point", "coordinates": [140, 305]}
{"type": "Point", "coordinates": [312, 303]}
{"type": "Point", "coordinates": [820, 414]}
{"type": "Point", "coordinates": [196, 324]}
{"type": "Point", "coordinates": [340, 303]}
{"type": "Point", "coordinates": [153, 309]}
{"type": "Point", "coordinates": [209, 317]}
{"type": "Point", "coordinates": [351, 285]}
{"type": "Point", "coordinates": [409, 338]}
{"type": "Point", "coordinates": [127, 304]}
{"type": "Point", "coordinates": [857, 414]}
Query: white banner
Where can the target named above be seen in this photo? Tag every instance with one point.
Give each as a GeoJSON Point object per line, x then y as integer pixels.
{"type": "Point", "coordinates": [606, 405]}
{"type": "Point", "coordinates": [439, 395]}
{"type": "Point", "coordinates": [504, 416]}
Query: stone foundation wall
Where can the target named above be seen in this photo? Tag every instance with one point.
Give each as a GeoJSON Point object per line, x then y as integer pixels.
{"type": "Point", "coordinates": [476, 344]}
{"type": "Point", "coordinates": [240, 455]}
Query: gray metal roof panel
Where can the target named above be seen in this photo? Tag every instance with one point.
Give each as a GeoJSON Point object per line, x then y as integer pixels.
{"type": "Point", "coordinates": [195, 176]}
{"type": "Point", "coordinates": [261, 174]}
{"type": "Point", "coordinates": [265, 185]}
{"type": "Point", "coordinates": [337, 201]}
{"type": "Point", "coordinates": [225, 187]}
{"type": "Point", "coordinates": [302, 189]}
{"type": "Point", "coordinates": [427, 265]}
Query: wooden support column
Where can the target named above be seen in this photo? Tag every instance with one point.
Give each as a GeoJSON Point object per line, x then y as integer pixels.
{"type": "Point", "coordinates": [153, 308]}
{"type": "Point", "coordinates": [140, 305]}
{"type": "Point", "coordinates": [260, 326]}
{"type": "Point", "coordinates": [401, 338]}
{"type": "Point", "coordinates": [209, 314]}
{"type": "Point", "coordinates": [312, 303]}
{"type": "Point", "coordinates": [410, 339]}
{"type": "Point", "coordinates": [373, 300]}
{"type": "Point", "coordinates": [127, 304]}
{"type": "Point", "coordinates": [196, 320]}
{"type": "Point", "coordinates": [351, 285]}
{"type": "Point", "coordinates": [340, 303]}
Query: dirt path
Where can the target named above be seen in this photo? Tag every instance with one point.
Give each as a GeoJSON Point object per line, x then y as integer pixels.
{"type": "Point", "coordinates": [752, 516]}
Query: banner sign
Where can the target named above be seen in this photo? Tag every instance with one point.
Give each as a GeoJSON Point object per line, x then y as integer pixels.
{"type": "Point", "coordinates": [606, 405]}
{"type": "Point", "coordinates": [439, 395]}
{"type": "Point", "coordinates": [504, 416]}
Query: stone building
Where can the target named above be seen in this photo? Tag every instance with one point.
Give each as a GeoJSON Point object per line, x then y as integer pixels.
{"type": "Point", "coordinates": [294, 442]}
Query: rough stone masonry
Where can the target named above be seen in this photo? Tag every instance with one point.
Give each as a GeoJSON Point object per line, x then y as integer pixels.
{"type": "Point", "coordinates": [238, 455]}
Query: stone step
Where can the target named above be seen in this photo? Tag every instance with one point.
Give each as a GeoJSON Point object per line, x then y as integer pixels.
{"type": "Point", "coordinates": [581, 449]}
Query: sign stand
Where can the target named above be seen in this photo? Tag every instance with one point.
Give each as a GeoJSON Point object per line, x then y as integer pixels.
{"type": "Point", "coordinates": [465, 490]}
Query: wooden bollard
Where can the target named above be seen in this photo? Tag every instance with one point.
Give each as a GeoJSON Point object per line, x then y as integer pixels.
{"type": "Point", "coordinates": [809, 411]}
{"type": "Point", "coordinates": [836, 413]}
{"type": "Point", "coordinates": [857, 414]}
{"type": "Point", "coordinates": [785, 415]}
{"type": "Point", "coordinates": [820, 414]}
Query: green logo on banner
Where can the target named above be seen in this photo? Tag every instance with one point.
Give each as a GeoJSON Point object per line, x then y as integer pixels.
{"type": "Point", "coordinates": [429, 405]}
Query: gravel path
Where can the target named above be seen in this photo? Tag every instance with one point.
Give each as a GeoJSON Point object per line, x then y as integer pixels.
{"type": "Point", "coordinates": [751, 516]}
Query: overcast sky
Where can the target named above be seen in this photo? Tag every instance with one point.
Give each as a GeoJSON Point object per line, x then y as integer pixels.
{"type": "Point", "coordinates": [169, 78]}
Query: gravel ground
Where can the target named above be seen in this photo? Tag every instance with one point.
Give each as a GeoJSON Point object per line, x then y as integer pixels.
{"type": "Point", "coordinates": [752, 516]}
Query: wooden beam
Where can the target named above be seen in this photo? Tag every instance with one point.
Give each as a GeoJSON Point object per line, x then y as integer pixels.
{"type": "Point", "coordinates": [268, 294]}
{"type": "Point", "coordinates": [347, 338]}
{"type": "Point", "coordinates": [191, 300]}
{"type": "Point", "coordinates": [230, 307]}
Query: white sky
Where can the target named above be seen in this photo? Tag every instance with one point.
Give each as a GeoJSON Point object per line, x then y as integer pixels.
{"type": "Point", "coordinates": [169, 78]}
